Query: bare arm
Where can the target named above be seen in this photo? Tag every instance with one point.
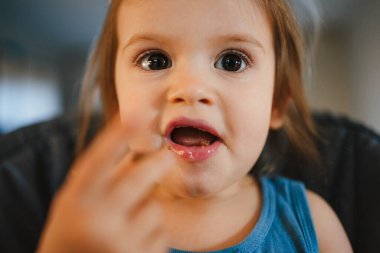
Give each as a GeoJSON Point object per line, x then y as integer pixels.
{"type": "Point", "coordinates": [330, 232]}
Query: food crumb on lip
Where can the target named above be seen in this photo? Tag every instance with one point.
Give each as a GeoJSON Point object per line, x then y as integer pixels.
{"type": "Point", "coordinates": [178, 152]}
{"type": "Point", "coordinates": [205, 143]}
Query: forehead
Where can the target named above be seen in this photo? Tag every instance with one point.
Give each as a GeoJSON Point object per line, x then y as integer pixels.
{"type": "Point", "coordinates": [193, 20]}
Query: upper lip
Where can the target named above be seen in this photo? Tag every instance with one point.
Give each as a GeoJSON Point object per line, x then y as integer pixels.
{"type": "Point", "coordinates": [187, 122]}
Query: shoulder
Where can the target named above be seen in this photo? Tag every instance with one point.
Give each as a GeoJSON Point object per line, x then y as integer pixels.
{"type": "Point", "coordinates": [313, 213]}
{"type": "Point", "coordinates": [286, 200]}
{"type": "Point", "coordinates": [330, 232]}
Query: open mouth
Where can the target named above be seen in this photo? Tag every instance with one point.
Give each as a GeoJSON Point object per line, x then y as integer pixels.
{"type": "Point", "coordinates": [192, 137]}
{"type": "Point", "coordinates": [193, 140]}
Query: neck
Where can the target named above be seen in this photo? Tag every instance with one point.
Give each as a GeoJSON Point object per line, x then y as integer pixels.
{"type": "Point", "coordinates": [212, 222]}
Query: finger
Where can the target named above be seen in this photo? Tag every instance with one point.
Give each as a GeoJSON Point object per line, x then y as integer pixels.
{"type": "Point", "coordinates": [143, 139]}
{"type": "Point", "coordinates": [151, 239]}
{"type": "Point", "coordinates": [157, 242]}
{"type": "Point", "coordinates": [107, 149]}
{"type": "Point", "coordinates": [150, 213]}
{"type": "Point", "coordinates": [126, 164]}
{"type": "Point", "coordinates": [143, 129]}
{"type": "Point", "coordinates": [146, 220]}
{"type": "Point", "coordinates": [135, 184]}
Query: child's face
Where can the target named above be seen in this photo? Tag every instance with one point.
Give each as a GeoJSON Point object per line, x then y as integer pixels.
{"type": "Point", "coordinates": [204, 64]}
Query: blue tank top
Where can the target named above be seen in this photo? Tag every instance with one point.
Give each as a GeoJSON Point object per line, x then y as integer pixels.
{"type": "Point", "coordinates": [285, 223]}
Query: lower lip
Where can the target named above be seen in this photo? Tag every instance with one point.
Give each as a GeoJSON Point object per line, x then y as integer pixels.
{"type": "Point", "coordinates": [194, 153]}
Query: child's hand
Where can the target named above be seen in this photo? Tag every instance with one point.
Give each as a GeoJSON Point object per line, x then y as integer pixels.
{"type": "Point", "coordinates": [107, 205]}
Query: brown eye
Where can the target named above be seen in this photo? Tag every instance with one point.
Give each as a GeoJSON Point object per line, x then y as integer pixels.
{"type": "Point", "coordinates": [154, 61]}
{"type": "Point", "coordinates": [232, 61]}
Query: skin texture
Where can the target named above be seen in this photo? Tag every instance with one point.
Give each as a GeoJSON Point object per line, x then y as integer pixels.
{"type": "Point", "coordinates": [127, 184]}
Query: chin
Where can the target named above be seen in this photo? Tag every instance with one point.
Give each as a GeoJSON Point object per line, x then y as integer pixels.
{"type": "Point", "coordinates": [192, 185]}
{"type": "Point", "coordinates": [198, 191]}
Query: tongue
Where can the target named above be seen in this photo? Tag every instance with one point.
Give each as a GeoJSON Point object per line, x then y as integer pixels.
{"type": "Point", "coordinates": [189, 136]}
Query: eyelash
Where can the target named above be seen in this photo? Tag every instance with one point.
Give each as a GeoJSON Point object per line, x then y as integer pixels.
{"type": "Point", "coordinates": [247, 58]}
{"type": "Point", "coordinates": [142, 55]}
{"type": "Point", "coordinates": [240, 51]}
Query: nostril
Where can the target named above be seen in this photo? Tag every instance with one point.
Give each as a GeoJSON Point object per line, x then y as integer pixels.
{"type": "Point", "coordinates": [178, 100]}
{"type": "Point", "coordinates": [181, 100]}
{"type": "Point", "coordinates": [205, 101]}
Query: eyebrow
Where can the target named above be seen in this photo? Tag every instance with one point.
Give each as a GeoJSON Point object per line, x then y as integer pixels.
{"type": "Point", "coordinates": [240, 38]}
{"type": "Point", "coordinates": [145, 38]}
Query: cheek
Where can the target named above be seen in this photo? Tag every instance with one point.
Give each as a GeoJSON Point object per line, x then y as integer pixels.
{"type": "Point", "coordinates": [254, 128]}
{"type": "Point", "coordinates": [250, 119]}
{"type": "Point", "coordinates": [251, 138]}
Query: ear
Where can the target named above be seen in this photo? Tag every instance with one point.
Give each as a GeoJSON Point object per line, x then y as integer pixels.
{"type": "Point", "coordinates": [276, 119]}
{"type": "Point", "coordinates": [278, 114]}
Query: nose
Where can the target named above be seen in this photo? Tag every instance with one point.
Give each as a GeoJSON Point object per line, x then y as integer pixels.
{"type": "Point", "coordinates": [190, 90]}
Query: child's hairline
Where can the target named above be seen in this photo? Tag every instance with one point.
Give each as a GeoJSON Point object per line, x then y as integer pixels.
{"type": "Point", "coordinates": [257, 3]}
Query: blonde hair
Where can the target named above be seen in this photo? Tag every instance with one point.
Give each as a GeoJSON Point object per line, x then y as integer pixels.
{"type": "Point", "coordinates": [288, 93]}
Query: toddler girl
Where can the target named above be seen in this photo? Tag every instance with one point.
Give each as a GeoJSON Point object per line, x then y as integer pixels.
{"type": "Point", "coordinates": [190, 90]}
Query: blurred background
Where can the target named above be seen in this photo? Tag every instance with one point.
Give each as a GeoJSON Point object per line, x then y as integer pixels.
{"type": "Point", "coordinates": [44, 46]}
